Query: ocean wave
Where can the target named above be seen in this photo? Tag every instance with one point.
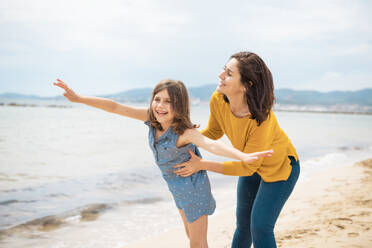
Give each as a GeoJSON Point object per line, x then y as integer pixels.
{"type": "Point", "coordinates": [21, 205]}
{"type": "Point", "coordinates": [343, 156]}
{"type": "Point", "coordinates": [51, 222]}
{"type": "Point", "coordinates": [89, 212]}
{"type": "Point", "coordinates": [147, 200]}
{"type": "Point", "coordinates": [12, 201]}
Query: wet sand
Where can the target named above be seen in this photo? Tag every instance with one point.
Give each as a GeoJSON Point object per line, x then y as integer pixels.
{"type": "Point", "coordinates": [331, 209]}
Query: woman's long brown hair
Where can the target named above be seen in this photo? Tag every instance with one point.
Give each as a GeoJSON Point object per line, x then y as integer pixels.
{"type": "Point", "coordinates": [180, 105]}
{"type": "Point", "coordinates": [258, 82]}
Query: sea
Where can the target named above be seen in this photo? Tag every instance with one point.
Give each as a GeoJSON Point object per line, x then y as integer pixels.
{"type": "Point", "coordinates": [74, 176]}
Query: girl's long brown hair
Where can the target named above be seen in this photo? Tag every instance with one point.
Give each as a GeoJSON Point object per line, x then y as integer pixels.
{"type": "Point", "coordinates": [180, 105]}
{"type": "Point", "coordinates": [258, 82]}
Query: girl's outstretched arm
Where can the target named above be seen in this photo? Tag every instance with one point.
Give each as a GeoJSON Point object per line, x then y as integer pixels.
{"type": "Point", "coordinates": [221, 149]}
{"type": "Point", "coordinates": [103, 103]}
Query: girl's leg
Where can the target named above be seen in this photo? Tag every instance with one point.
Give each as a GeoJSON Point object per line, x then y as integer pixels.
{"type": "Point", "coordinates": [198, 232]}
{"type": "Point", "coordinates": [269, 201]}
{"type": "Point", "coordinates": [246, 194]}
{"type": "Point", "coordinates": [186, 225]}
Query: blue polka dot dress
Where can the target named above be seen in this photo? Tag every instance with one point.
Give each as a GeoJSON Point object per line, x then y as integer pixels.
{"type": "Point", "coordinates": [191, 194]}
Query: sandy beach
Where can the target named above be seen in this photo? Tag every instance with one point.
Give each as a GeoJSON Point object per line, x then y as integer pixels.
{"type": "Point", "coordinates": [331, 209]}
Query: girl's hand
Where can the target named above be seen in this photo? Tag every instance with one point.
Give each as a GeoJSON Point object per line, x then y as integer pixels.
{"type": "Point", "coordinates": [190, 167]}
{"type": "Point", "coordinates": [69, 93]}
{"type": "Point", "coordinates": [250, 157]}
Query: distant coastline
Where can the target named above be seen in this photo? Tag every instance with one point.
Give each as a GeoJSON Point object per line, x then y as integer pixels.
{"type": "Point", "coordinates": [289, 108]}
{"type": "Point", "coordinates": [15, 104]}
{"type": "Point", "coordinates": [288, 100]}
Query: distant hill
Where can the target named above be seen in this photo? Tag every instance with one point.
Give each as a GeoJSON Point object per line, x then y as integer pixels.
{"type": "Point", "coordinates": [134, 95]}
{"type": "Point", "coordinates": [18, 96]}
{"type": "Point", "coordinates": [203, 93]}
{"type": "Point", "coordinates": [283, 96]}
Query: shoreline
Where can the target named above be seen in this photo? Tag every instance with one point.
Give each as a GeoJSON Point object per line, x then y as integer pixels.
{"type": "Point", "coordinates": [333, 209]}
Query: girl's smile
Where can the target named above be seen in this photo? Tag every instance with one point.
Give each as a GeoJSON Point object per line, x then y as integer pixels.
{"type": "Point", "coordinates": [162, 107]}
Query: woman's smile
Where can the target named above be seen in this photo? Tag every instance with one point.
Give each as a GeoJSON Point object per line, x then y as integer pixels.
{"type": "Point", "coordinates": [221, 84]}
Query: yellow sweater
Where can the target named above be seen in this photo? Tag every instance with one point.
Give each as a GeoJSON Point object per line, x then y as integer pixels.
{"type": "Point", "coordinates": [246, 136]}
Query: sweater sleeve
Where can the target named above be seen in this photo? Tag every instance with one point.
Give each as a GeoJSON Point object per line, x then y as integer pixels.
{"type": "Point", "coordinates": [260, 139]}
{"type": "Point", "coordinates": [213, 129]}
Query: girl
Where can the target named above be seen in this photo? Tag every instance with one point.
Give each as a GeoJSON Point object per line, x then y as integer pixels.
{"type": "Point", "coordinates": [171, 136]}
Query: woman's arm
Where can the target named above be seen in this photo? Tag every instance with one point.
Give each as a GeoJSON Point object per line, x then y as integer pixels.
{"type": "Point", "coordinates": [261, 139]}
{"type": "Point", "coordinates": [218, 148]}
{"type": "Point", "coordinates": [103, 103]}
{"type": "Point", "coordinates": [196, 164]}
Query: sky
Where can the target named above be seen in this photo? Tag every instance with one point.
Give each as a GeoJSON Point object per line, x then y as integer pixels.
{"type": "Point", "coordinates": [104, 47]}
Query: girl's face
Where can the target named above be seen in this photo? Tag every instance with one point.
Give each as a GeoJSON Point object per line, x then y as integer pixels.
{"type": "Point", "coordinates": [162, 108]}
{"type": "Point", "coordinates": [230, 83]}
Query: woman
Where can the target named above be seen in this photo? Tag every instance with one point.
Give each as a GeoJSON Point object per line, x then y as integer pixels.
{"type": "Point", "coordinates": [241, 108]}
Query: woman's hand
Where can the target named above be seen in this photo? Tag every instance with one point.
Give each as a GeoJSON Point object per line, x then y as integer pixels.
{"type": "Point", "coordinates": [250, 157]}
{"type": "Point", "coordinates": [69, 93]}
{"type": "Point", "coordinates": [190, 167]}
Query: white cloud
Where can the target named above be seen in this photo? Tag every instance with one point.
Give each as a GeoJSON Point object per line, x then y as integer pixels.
{"type": "Point", "coordinates": [134, 43]}
{"type": "Point", "coordinates": [110, 25]}
{"type": "Point", "coordinates": [294, 21]}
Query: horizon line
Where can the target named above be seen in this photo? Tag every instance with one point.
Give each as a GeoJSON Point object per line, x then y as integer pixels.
{"type": "Point", "coordinates": [142, 88]}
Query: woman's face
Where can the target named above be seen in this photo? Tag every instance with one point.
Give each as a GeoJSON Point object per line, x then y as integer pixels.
{"type": "Point", "coordinates": [230, 83]}
{"type": "Point", "coordinates": [162, 107]}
